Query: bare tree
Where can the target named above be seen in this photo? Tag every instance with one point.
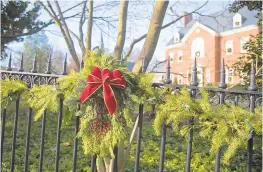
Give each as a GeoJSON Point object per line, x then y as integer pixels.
{"type": "Point", "coordinates": [89, 28]}
{"type": "Point", "coordinates": [152, 35]}
{"type": "Point", "coordinates": [63, 27]}
{"type": "Point", "coordinates": [135, 41]}
{"type": "Point", "coordinates": [121, 29]}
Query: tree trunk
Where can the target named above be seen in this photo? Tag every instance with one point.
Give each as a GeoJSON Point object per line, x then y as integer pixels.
{"type": "Point", "coordinates": [121, 30]}
{"type": "Point", "coordinates": [152, 35]}
{"type": "Point", "coordinates": [89, 28]}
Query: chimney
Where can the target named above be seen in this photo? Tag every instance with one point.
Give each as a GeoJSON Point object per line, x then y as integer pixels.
{"type": "Point", "coordinates": [186, 19]}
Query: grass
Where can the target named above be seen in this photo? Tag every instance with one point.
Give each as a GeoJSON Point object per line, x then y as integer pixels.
{"type": "Point", "coordinates": [175, 154]}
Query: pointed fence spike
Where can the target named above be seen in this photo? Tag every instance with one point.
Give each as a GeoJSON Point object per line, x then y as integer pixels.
{"type": "Point", "coordinates": [21, 64]}
{"type": "Point", "coordinates": [143, 64]}
{"type": "Point", "coordinates": [82, 63]}
{"type": "Point", "coordinates": [65, 66]}
{"type": "Point", "coordinates": [194, 81]}
{"type": "Point", "coordinates": [9, 68]}
{"type": "Point", "coordinates": [49, 65]}
{"type": "Point", "coordinates": [222, 83]}
{"type": "Point", "coordinates": [168, 72]}
{"type": "Point", "coordinates": [253, 85]}
{"type": "Point", "coordinates": [34, 69]}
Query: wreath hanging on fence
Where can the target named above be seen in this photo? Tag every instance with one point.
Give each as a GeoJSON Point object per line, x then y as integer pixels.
{"type": "Point", "coordinates": [103, 94]}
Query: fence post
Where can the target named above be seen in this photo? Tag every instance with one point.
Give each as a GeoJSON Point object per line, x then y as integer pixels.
{"type": "Point", "coordinates": [28, 138]}
{"type": "Point", "coordinates": [194, 83]}
{"type": "Point", "coordinates": [3, 117]}
{"type": "Point", "coordinates": [59, 132]}
{"type": "Point", "coordinates": [139, 131]}
{"type": "Point", "coordinates": [43, 129]}
{"type": "Point", "coordinates": [221, 85]}
{"type": "Point", "coordinates": [75, 149]}
{"type": "Point", "coordinates": [14, 135]}
{"type": "Point", "coordinates": [163, 136]}
{"type": "Point", "coordinates": [252, 87]}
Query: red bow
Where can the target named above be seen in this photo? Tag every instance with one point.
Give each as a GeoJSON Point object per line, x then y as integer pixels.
{"type": "Point", "coordinates": [105, 78]}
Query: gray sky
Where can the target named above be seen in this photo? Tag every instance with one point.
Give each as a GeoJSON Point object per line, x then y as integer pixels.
{"type": "Point", "coordinates": [138, 21]}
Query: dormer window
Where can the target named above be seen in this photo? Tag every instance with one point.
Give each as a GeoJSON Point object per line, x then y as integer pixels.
{"type": "Point", "coordinates": [176, 37]}
{"type": "Point", "coordinates": [237, 20]}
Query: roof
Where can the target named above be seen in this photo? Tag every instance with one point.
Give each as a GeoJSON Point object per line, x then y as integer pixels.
{"type": "Point", "coordinates": [220, 21]}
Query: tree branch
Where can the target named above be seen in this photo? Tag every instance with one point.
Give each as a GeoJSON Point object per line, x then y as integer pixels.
{"type": "Point", "coordinates": [50, 22]}
{"type": "Point", "coordinates": [163, 27]}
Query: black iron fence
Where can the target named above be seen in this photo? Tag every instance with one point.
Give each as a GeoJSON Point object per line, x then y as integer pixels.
{"type": "Point", "coordinates": [220, 95]}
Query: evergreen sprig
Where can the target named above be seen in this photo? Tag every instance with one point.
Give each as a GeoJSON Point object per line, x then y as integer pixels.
{"type": "Point", "coordinates": [224, 125]}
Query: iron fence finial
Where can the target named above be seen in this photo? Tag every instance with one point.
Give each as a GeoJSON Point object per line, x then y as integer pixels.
{"type": "Point", "coordinates": [194, 81]}
{"type": "Point", "coordinates": [222, 83]}
{"type": "Point", "coordinates": [143, 64]}
{"type": "Point", "coordinates": [34, 69]}
{"type": "Point", "coordinates": [49, 65]}
{"type": "Point", "coordinates": [82, 63]}
{"type": "Point", "coordinates": [168, 72]}
{"type": "Point", "coordinates": [21, 64]}
{"type": "Point", "coordinates": [9, 68]}
{"type": "Point", "coordinates": [253, 85]}
{"type": "Point", "coordinates": [65, 66]}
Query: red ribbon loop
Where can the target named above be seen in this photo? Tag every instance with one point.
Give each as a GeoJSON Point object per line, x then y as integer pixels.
{"type": "Point", "coordinates": [105, 78]}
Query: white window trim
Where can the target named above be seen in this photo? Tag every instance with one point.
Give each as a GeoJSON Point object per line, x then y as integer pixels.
{"type": "Point", "coordinates": [177, 36]}
{"type": "Point", "coordinates": [202, 54]}
{"type": "Point", "coordinates": [237, 18]}
{"type": "Point", "coordinates": [227, 76]}
{"type": "Point", "coordinates": [241, 46]}
{"type": "Point", "coordinates": [180, 53]}
{"type": "Point", "coordinates": [232, 47]}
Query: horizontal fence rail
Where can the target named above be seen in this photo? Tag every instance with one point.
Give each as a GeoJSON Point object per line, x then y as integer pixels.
{"type": "Point", "coordinates": [219, 95]}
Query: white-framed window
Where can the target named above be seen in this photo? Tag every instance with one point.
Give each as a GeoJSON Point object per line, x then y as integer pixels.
{"type": "Point", "coordinates": [176, 37]}
{"type": "Point", "coordinates": [230, 76]}
{"type": "Point", "coordinates": [197, 48]}
{"type": "Point", "coordinates": [180, 78]}
{"type": "Point", "coordinates": [243, 42]}
{"type": "Point", "coordinates": [171, 55]}
{"type": "Point", "coordinates": [229, 47]}
{"type": "Point", "coordinates": [180, 56]}
{"type": "Point", "coordinates": [237, 20]}
{"type": "Point", "coordinates": [208, 75]}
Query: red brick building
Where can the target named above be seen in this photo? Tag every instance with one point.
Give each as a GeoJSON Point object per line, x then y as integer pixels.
{"type": "Point", "coordinates": [210, 39]}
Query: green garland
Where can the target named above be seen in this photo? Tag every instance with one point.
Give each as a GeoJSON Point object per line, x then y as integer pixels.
{"type": "Point", "coordinates": [10, 90]}
{"type": "Point", "coordinates": [225, 125]}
